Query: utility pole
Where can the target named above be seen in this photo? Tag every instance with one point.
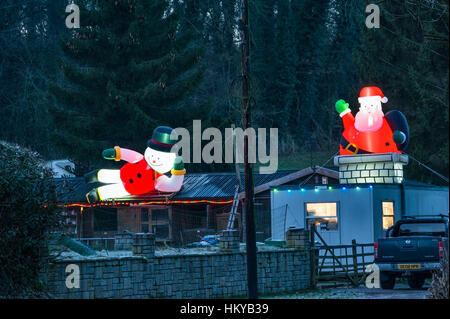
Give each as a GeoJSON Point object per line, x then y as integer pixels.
{"type": "Point", "coordinates": [248, 171]}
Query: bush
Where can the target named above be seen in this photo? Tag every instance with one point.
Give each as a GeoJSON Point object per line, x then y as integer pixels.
{"type": "Point", "coordinates": [27, 216]}
{"type": "Point", "coordinates": [439, 283]}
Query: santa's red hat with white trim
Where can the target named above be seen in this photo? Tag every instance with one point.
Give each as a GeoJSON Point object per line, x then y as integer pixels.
{"type": "Point", "coordinates": [370, 92]}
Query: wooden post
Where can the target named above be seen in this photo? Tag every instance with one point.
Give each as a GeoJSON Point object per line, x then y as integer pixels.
{"type": "Point", "coordinates": [312, 258]}
{"type": "Point", "coordinates": [250, 235]}
{"type": "Point", "coordinates": [355, 261]}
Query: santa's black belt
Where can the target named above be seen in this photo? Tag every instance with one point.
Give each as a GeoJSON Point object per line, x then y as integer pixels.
{"type": "Point", "coordinates": [352, 148]}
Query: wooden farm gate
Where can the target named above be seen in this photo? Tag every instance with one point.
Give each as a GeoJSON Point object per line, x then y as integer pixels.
{"type": "Point", "coordinates": [334, 265]}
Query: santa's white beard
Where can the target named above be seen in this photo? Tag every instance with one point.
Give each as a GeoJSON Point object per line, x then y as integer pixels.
{"type": "Point", "coordinates": [368, 122]}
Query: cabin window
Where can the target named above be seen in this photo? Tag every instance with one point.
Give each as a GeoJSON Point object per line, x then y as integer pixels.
{"type": "Point", "coordinates": [160, 214]}
{"type": "Point", "coordinates": [144, 215]}
{"type": "Point", "coordinates": [323, 215]}
{"type": "Point", "coordinates": [388, 214]}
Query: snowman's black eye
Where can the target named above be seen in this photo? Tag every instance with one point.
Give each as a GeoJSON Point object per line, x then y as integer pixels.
{"type": "Point", "coordinates": [139, 175]}
{"type": "Point", "coordinates": [131, 181]}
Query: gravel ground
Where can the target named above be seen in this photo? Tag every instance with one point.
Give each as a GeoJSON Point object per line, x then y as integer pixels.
{"type": "Point", "coordinates": [401, 291]}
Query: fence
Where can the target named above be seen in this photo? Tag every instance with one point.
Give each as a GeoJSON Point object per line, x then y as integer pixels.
{"type": "Point", "coordinates": [338, 264]}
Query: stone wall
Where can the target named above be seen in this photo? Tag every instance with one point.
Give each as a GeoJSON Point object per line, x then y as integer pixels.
{"type": "Point", "coordinates": [298, 238]}
{"type": "Point", "coordinates": [123, 241]}
{"type": "Point", "coordinates": [211, 275]}
{"type": "Point", "coordinates": [371, 168]}
{"type": "Point", "coordinates": [229, 240]}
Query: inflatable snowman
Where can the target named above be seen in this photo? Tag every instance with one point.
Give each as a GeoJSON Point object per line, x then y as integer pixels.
{"type": "Point", "coordinates": [143, 173]}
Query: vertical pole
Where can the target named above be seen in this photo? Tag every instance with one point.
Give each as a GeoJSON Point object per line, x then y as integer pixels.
{"type": "Point", "coordinates": [313, 258]}
{"type": "Point", "coordinates": [355, 262]}
{"type": "Point", "coordinates": [248, 172]}
{"type": "Point", "coordinates": [239, 181]}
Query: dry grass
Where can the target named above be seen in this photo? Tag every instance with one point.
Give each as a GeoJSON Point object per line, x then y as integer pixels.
{"type": "Point", "coordinates": [439, 283]}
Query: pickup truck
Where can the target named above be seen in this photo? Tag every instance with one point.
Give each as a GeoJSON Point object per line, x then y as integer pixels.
{"type": "Point", "coordinates": [412, 248]}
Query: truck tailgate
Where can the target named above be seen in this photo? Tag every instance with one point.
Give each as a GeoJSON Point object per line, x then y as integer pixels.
{"type": "Point", "coordinates": [403, 249]}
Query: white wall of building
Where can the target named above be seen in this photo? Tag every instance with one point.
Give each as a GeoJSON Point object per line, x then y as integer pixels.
{"type": "Point", "coordinates": [354, 206]}
{"type": "Point", "coordinates": [421, 201]}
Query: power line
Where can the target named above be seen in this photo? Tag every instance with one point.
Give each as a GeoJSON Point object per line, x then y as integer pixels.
{"type": "Point", "coordinates": [313, 174]}
{"type": "Point", "coordinates": [429, 168]}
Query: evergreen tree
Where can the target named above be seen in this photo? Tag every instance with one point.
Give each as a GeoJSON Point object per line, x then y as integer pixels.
{"type": "Point", "coordinates": [337, 76]}
{"type": "Point", "coordinates": [311, 33]}
{"type": "Point", "coordinates": [125, 71]}
{"type": "Point", "coordinates": [262, 21]}
{"type": "Point", "coordinates": [408, 58]}
{"type": "Point", "coordinates": [284, 97]}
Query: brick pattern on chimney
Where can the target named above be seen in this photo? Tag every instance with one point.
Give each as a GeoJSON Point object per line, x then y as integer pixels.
{"type": "Point", "coordinates": [371, 169]}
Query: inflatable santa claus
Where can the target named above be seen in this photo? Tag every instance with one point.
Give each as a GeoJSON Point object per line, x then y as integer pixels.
{"type": "Point", "coordinates": [372, 131]}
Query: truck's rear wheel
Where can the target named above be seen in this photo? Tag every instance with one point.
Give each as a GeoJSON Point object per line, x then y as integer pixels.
{"type": "Point", "coordinates": [387, 280]}
{"type": "Point", "coordinates": [416, 281]}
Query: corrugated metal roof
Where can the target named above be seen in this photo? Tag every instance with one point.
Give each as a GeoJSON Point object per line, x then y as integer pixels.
{"type": "Point", "coordinates": [219, 185]}
{"type": "Point", "coordinates": [195, 186]}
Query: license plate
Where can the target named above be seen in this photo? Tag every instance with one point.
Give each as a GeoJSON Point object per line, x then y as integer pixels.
{"type": "Point", "coordinates": [409, 266]}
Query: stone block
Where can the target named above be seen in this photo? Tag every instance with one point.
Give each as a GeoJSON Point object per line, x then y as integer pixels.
{"type": "Point", "coordinates": [384, 172]}
{"type": "Point", "coordinates": [365, 173]}
{"type": "Point", "coordinates": [361, 167]}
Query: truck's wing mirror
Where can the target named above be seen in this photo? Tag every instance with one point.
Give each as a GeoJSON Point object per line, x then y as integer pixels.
{"type": "Point", "coordinates": [389, 231]}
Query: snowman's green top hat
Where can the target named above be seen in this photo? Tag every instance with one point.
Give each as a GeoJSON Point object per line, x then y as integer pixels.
{"type": "Point", "coordinates": [161, 139]}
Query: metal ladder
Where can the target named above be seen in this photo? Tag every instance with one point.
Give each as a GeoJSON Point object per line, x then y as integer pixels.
{"type": "Point", "coordinates": [234, 207]}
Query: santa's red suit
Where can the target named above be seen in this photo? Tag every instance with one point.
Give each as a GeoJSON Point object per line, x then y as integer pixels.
{"type": "Point", "coordinates": [391, 137]}
{"type": "Point", "coordinates": [356, 142]}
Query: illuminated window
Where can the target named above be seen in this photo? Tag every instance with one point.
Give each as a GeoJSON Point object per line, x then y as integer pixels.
{"type": "Point", "coordinates": [388, 214]}
{"type": "Point", "coordinates": [323, 215]}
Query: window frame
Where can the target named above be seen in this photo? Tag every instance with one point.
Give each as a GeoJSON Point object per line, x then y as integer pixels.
{"type": "Point", "coordinates": [152, 223]}
{"type": "Point", "coordinates": [383, 215]}
{"type": "Point", "coordinates": [327, 202]}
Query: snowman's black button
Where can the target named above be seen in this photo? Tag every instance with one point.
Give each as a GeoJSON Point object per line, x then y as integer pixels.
{"type": "Point", "coordinates": [131, 181]}
{"type": "Point", "coordinates": [387, 143]}
{"type": "Point", "coordinates": [139, 175]}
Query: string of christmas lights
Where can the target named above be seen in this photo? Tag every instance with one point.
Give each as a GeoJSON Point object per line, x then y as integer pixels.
{"type": "Point", "coordinates": [145, 203]}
